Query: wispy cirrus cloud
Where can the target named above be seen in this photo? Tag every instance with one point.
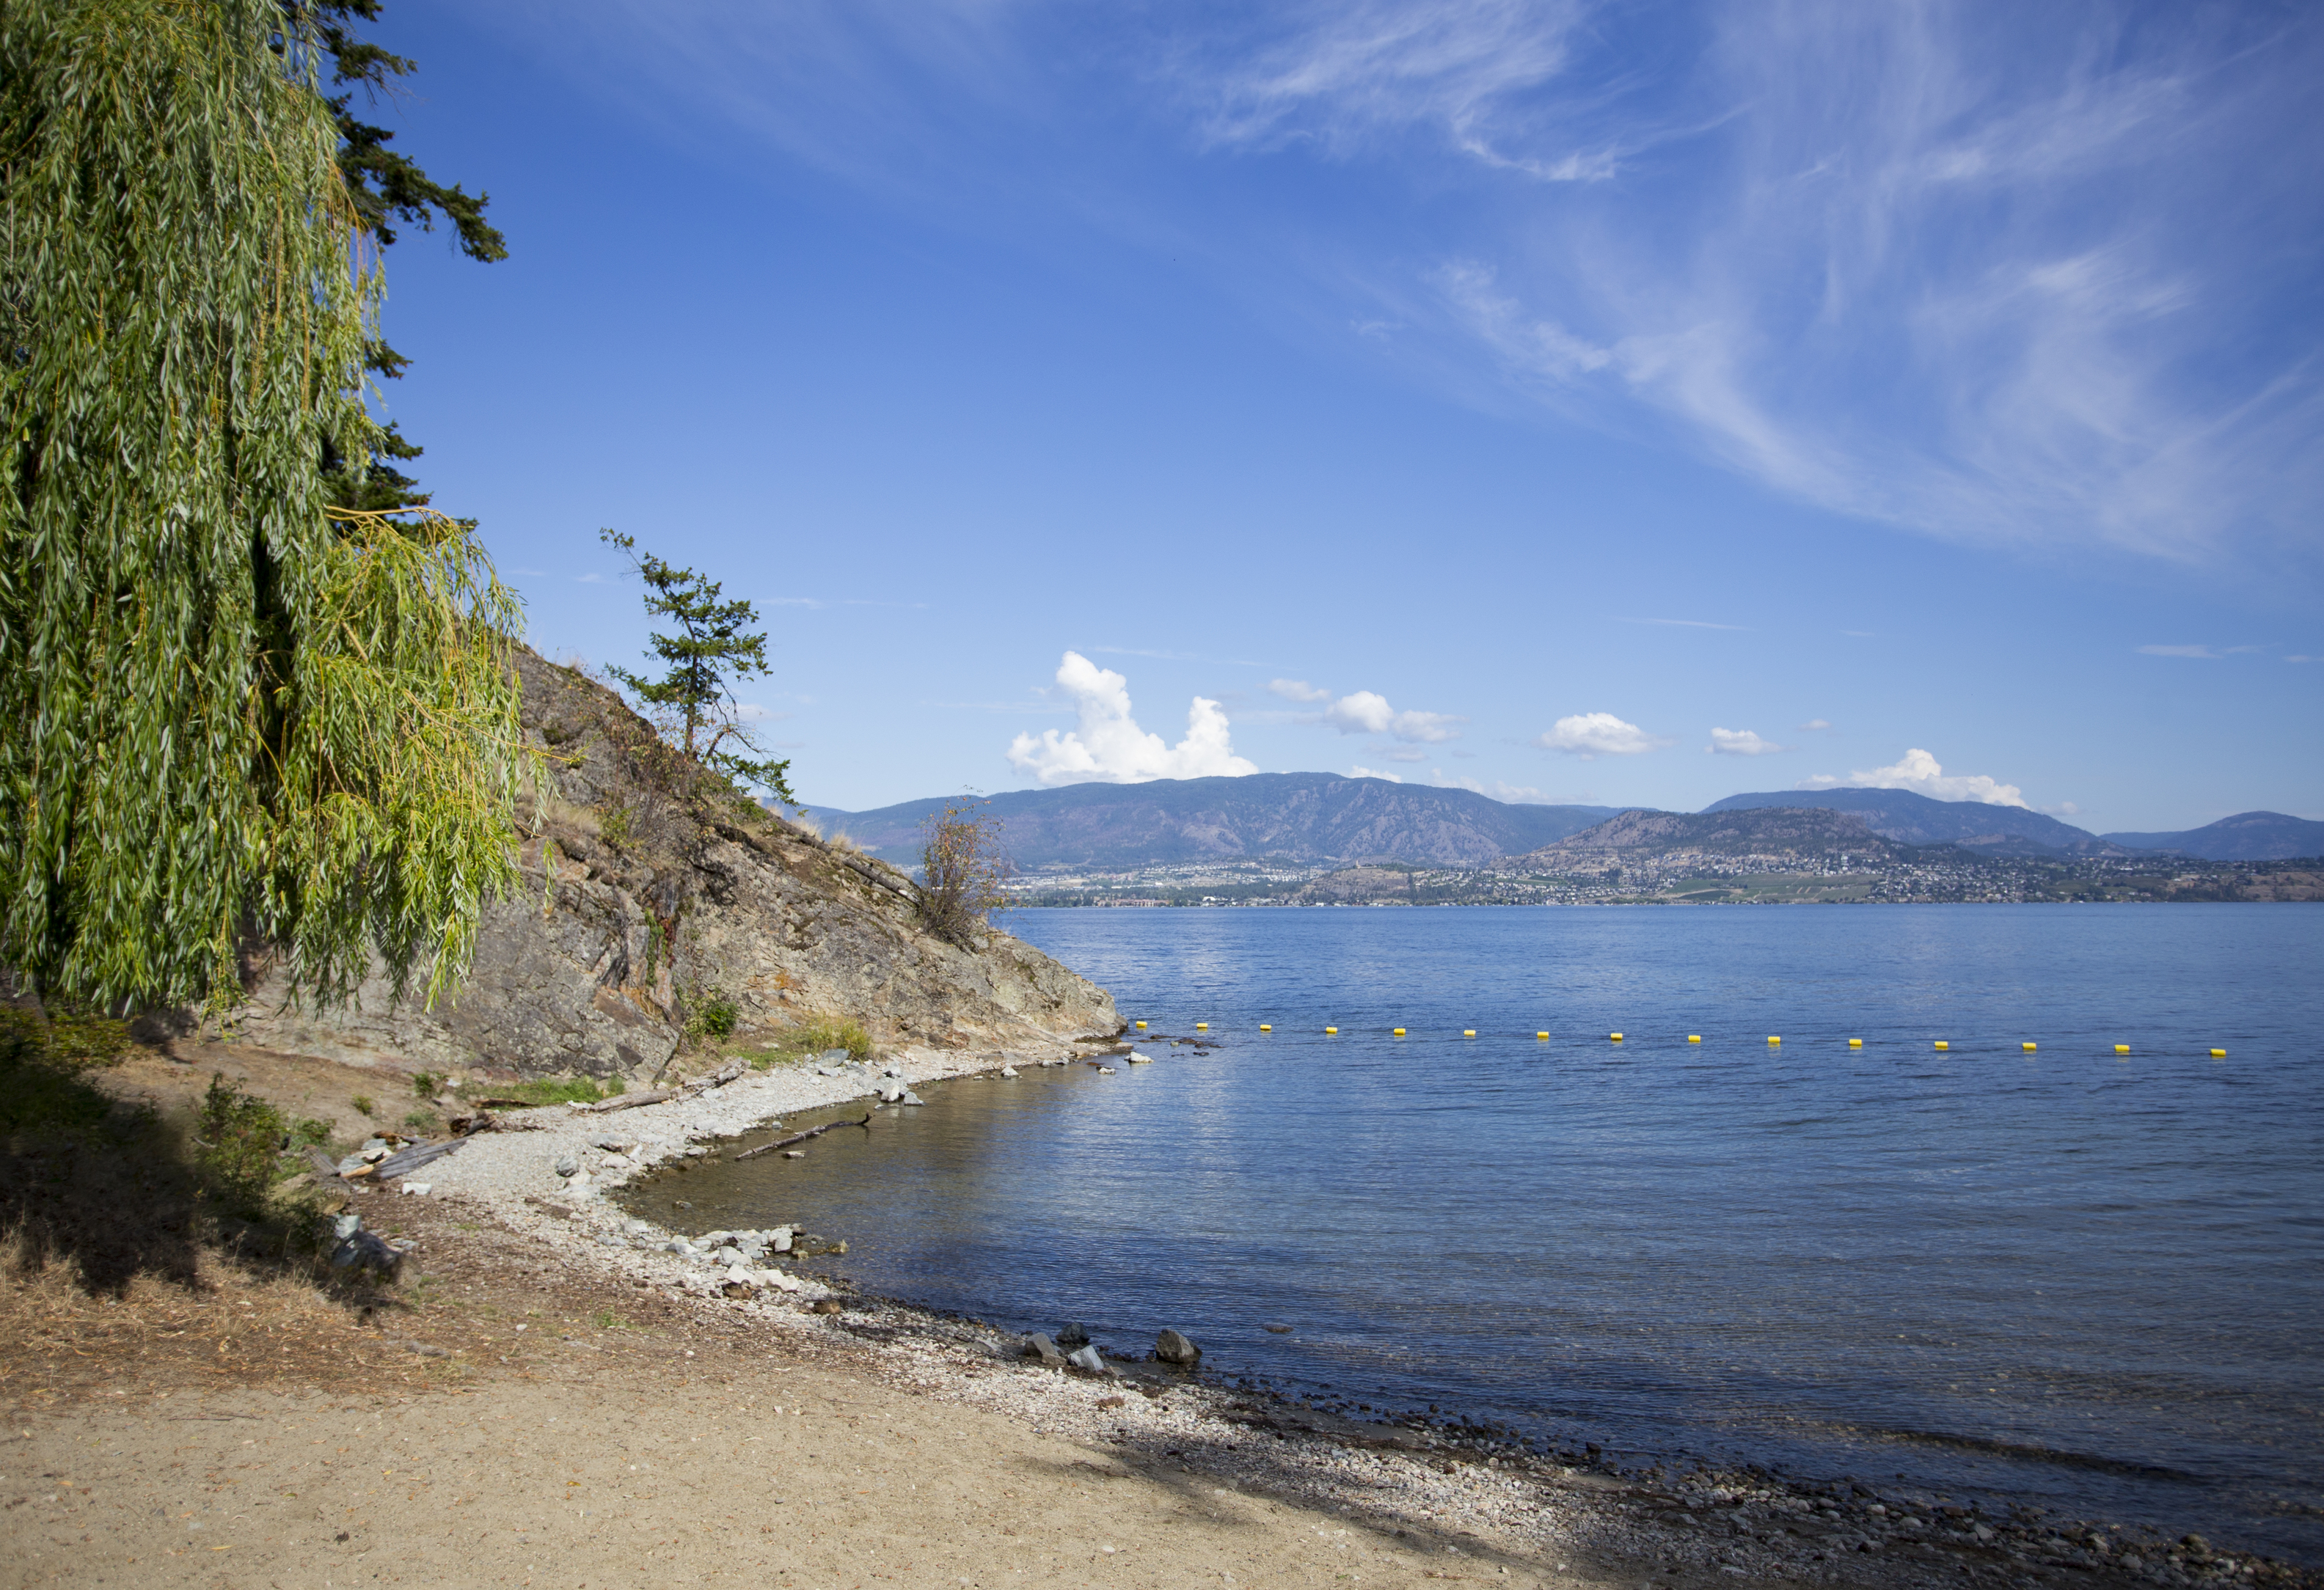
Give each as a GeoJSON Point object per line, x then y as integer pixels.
{"type": "Point", "coordinates": [1970, 269]}
{"type": "Point", "coordinates": [1684, 624]}
{"type": "Point", "coordinates": [1960, 270]}
{"type": "Point", "coordinates": [1742, 742]}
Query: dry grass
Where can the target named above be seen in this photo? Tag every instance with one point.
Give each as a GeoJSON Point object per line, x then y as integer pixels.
{"type": "Point", "coordinates": [221, 1320]}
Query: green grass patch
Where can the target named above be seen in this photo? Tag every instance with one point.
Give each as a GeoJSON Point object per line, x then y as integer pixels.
{"type": "Point", "coordinates": [799, 1043]}
{"type": "Point", "coordinates": [542, 1091]}
{"type": "Point", "coordinates": [43, 1064]}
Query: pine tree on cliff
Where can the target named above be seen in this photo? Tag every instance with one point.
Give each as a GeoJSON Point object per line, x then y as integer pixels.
{"type": "Point", "coordinates": [712, 646]}
{"type": "Point", "coordinates": [231, 709]}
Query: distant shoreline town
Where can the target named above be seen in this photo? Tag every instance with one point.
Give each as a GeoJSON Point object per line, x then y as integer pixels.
{"type": "Point", "coordinates": [1319, 839]}
{"type": "Point", "coordinates": [1933, 877]}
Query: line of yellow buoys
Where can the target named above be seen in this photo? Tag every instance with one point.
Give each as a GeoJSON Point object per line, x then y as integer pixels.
{"type": "Point", "coordinates": [1942, 1045]}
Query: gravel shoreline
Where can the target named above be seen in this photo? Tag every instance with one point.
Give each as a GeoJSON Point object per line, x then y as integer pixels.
{"type": "Point", "coordinates": [1463, 1490]}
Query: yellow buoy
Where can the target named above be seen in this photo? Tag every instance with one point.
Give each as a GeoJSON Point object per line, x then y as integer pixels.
{"type": "Point", "coordinates": [1694, 1037]}
{"type": "Point", "coordinates": [1331, 1032]}
{"type": "Point", "coordinates": [1399, 1032]}
{"type": "Point", "coordinates": [1943, 1044]}
{"type": "Point", "coordinates": [1141, 1026]}
{"type": "Point", "coordinates": [2218, 1054]}
{"type": "Point", "coordinates": [1772, 1039]}
{"type": "Point", "coordinates": [1856, 1042]}
{"type": "Point", "coordinates": [2122, 1049]}
{"type": "Point", "coordinates": [1468, 1031]}
{"type": "Point", "coordinates": [1616, 1038]}
{"type": "Point", "coordinates": [1541, 1035]}
{"type": "Point", "coordinates": [1267, 1026]}
{"type": "Point", "coordinates": [2028, 1047]}
{"type": "Point", "coordinates": [1202, 1026]}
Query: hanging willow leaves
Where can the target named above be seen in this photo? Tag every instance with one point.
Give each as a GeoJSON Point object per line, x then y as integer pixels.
{"type": "Point", "coordinates": [226, 717]}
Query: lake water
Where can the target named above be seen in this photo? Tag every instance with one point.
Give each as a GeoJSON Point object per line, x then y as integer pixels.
{"type": "Point", "coordinates": [2089, 1281]}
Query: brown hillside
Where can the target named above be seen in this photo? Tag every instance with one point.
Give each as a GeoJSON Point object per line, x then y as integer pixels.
{"type": "Point", "coordinates": [633, 914]}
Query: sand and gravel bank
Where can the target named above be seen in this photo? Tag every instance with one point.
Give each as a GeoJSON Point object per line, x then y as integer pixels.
{"type": "Point", "coordinates": [551, 1394]}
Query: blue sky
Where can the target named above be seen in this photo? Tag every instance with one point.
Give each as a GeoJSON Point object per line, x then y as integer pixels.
{"type": "Point", "coordinates": [1629, 405]}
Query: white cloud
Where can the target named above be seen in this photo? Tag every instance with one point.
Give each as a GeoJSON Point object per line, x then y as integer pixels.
{"type": "Point", "coordinates": [2054, 374]}
{"type": "Point", "coordinates": [1407, 753]}
{"type": "Point", "coordinates": [1742, 742]}
{"type": "Point", "coordinates": [1297, 690]}
{"type": "Point", "coordinates": [1355, 72]}
{"type": "Point", "coordinates": [2300, 660]}
{"type": "Point", "coordinates": [1686, 624]}
{"type": "Point", "coordinates": [1918, 771]}
{"type": "Point", "coordinates": [1367, 712]}
{"type": "Point", "coordinates": [2201, 651]}
{"type": "Point", "coordinates": [1359, 771]}
{"type": "Point", "coordinates": [1588, 735]}
{"type": "Point", "coordinates": [1109, 747]}
{"type": "Point", "coordinates": [1514, 794]}
{"type": "Point", "coordinates": [1814, 724]}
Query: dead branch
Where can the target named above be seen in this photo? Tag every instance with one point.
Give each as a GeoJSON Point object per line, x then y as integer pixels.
{"type": "Point", "coordinates": [800, 1137]}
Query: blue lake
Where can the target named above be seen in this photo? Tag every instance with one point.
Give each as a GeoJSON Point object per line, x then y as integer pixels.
{"type": "Point", "coordinates": [2087, 1280]}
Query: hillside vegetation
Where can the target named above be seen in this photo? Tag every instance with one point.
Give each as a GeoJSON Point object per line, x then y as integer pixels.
{"type": "Point", "coordinates": [643, 919]}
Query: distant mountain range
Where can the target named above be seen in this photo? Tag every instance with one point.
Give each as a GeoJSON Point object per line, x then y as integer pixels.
{"type": "Point", "coordinates": [2247, 836]}
{"type": "Point", "coordinates": [1307, 818]}
{"type": "Point", "coordinates": [1321, 818]}
{"type": "Point", "coordinates": [1916, 820]}
{"type": "Point", "coordinates": [1754, 831]}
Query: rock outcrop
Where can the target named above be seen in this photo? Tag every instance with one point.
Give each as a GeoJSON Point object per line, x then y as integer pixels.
{"type": "Point", "coordinates": [638, 910]}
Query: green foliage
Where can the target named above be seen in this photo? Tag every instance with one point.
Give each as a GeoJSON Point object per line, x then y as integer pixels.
{"type": "Point", "coordinates": [419, 1120]}
{"type": "Point", "coordinates": [542, 1091]}
{"type": "Point", "coordinates": [43, 1067]}
{"type": "Point", "coordinates": [222, 711]}
{"type": "Point", "coordinates": [614, 826]}
{"type": "Point", "coordinates": [309, 1133]}
{"type": "Point", "coordinates": [384, 186]}
{"type": "Point", "coordinates": [364, 1103]}
{"type": "Point", "coordinates": [962, 869]}
{"type": "Point", "coordinates": [424, 1084]}
{"type": "Point", "coordinates": [715, 1013]}
{"type": "Point", "coordinates": [714, 648]}
{"type": "Point", "coordinates": [238, 1146]}
{"type": "Point", "coordinates": [820, 1036]}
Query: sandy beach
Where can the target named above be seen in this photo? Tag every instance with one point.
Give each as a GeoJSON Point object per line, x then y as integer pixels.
{"type": "Point", "coordinates": [547, 1392]}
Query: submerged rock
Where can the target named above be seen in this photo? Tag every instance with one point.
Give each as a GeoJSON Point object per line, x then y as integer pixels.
{"type": "Point", "coordinates": [1072, 1335]}
{"type": "Point", "coordinates": [1171, 1347]}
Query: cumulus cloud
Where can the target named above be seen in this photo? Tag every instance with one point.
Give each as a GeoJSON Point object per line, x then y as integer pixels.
{"type": "Point", "coordinates": [1110, 747]}
{"type": "Point", "coordinates": [1589, 735]}
{"type": "Point", "coordinates": [1742, 742]}
{"type": "Point", "coordinates": [1297, 690]}
{"type": "Point", "coordinates": [1918, 771]}
{"type": "Point", "coordinates": [1360, 771]}
{"type": "Point", "coordinates": [1367, 712]}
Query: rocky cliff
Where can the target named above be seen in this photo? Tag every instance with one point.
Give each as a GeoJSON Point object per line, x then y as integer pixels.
{"type": "Point", "coordinates": [640, 911]}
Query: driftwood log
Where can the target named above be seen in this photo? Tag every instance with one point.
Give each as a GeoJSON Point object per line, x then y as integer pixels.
{"type": "Point", "coordinates": [748, 1154]}
{"type": "Point", "coordinates": [627, 1101]}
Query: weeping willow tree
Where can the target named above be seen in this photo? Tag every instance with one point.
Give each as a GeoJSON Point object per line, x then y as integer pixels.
{"type": "Point", "coordinates": [231, 715]}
